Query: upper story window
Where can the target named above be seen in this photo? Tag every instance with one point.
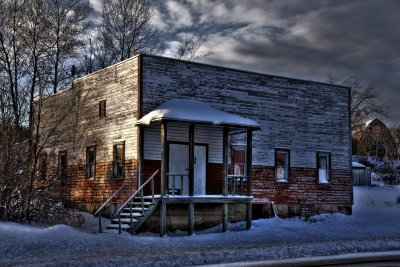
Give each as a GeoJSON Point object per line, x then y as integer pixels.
{"type": "Point", "coordinates": [90, 161]}
{"type": "Point", "coordinates": [62, 164]}
{"type": "Point", "coordinates": [102, 109]}
{"type": "Point", "coordinates": [323, 165]}
{"type": "Point", "coordinates": [282, 158]}
{"type": "Point", "coordinates": [118, 160]}
{"type": "Point", "coordinates": [239, 160]}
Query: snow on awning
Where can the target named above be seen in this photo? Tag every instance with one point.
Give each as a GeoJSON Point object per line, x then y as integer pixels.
{"type": "Point", "coordinates": [357, 165]}
{"type": "Point", "coordinates": [194, 111]}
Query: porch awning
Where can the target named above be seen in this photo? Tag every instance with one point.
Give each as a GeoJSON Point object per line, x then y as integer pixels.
{"type": "Point", "coordinates": [188, 110]}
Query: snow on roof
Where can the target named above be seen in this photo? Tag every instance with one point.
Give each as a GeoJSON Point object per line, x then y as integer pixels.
{"type": "Point", "coordinates": [357, 165]}
{"type": "Point", "coordinates": [194, 111]}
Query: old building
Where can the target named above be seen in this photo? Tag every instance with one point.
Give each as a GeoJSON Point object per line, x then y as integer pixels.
{"type": "Point", "coordinates": [191, 144]}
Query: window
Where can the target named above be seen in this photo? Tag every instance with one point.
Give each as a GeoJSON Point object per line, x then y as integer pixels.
{"type": "Point", "coordinates": [239, 160]}
{"type": "Point", "coordinates": [102, 109]}
{"type": "Point", "coordinates": [43, 165]}
{"type": "Point", "coordinates": [90, 161]}
{"type": "Point", "coordinates": [282, 157]}
{"type": "Point", "coordinates": [118, 160]}
{"type": "Point", "coordinates": [323, 165]}
{"type": "Point", "coordinates": [62, 165]}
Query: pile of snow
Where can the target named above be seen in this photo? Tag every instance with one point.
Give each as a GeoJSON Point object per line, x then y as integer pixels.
{"type": "Point", "coordinates": [374, 226]}
{"type": "Point", "coordinates": [194, 111]}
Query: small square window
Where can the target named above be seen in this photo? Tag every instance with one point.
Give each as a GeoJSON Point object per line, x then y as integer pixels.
{"type": "Point", "coordinates": [323, 167]}
{"type": "Point", "coordinates": [102, 109]}
{"type": "Point", "coordinates": [282, 157]}
{"type": "Point", "coordinates": [118, 160]}
{"type": "Point", "coordinates": [90, 162]}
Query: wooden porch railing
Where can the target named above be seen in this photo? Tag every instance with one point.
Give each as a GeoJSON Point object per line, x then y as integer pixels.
{"type": "Point", "coordinates": [237, 184]}
{"type": "Point", "coordinates": [172, 178]}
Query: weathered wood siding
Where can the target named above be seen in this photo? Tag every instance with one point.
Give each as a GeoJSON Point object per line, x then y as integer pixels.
{"type": "Point", "coordinates": [71, 120]}
{"type": "Point", "coordinates": [302, 116]}
{"type": "Point", "coordinates": [299, 115]}
{"type": "Point", "coordinates": [179, 132]}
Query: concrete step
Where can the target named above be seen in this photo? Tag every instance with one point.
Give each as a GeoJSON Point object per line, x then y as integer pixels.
{"type": "Point", "coordinates": [116, 226]}
{"type": "Point", "coordinates": [144, 203]}
{"type": "Point", "coordinates": [125, 220]}
{"type": "Point", "coordinates": [135, 209]}
{"type": "Point", "coordinates": [134, 214]}
{"type": "Point", "coordinates": [146, 198]}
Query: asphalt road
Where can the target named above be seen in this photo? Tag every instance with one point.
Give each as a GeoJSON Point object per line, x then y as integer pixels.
{"type": "Point", "coordinates": [366, 259]}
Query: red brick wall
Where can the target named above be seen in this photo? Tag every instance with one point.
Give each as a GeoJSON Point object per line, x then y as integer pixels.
{"type": "Point", "coordinates": [88, 194]}
{"type": "Point", "coordinates": [302, 187]}
{"type": "Point", "coordinates": [214, 178]}
{"type": "Point", "coordinates": [150, 166]}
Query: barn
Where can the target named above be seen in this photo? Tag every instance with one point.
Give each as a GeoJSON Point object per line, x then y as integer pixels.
{"type": "Point", "coordinates": [166, 144]}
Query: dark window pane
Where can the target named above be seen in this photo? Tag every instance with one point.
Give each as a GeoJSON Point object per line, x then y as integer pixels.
{"type": "Point", "coordinates": [118, 160]}
{"type": "Point", "coordinates": [102, 108]}
{"type": "Point", "coordinates": [62, 164]}
{"type": "Point", "coordinates": [90, 162]}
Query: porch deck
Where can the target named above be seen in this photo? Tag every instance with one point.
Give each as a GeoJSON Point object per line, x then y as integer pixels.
{"type": "Point", "coordinates": [217, 199]}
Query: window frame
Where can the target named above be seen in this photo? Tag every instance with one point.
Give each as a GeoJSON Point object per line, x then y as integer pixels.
{"type": "Point", "coordinates": [88, 148]}
{"type": "Point", "coordinates": [103, 108]}
{"type": "Point", "coordinates": [62, 172]}
{"type": "Point", "coordinates": [328, 169]}
{"type": "Point", "coordinates": [287, 166]}
{"type": "Point", "coordinates": [42, 165]}
{"type": "Point", "coordinates": [122, 174]}
{"type": "Point", "coordinates": [239, 148]}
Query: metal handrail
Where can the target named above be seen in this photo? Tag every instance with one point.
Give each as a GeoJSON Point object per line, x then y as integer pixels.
{"type": "Point", "coordinates": [108, 200]}
{"type": "Point", "coordinates": [129, 201]}
{"type": "Point", "coordinates": [137, 191]}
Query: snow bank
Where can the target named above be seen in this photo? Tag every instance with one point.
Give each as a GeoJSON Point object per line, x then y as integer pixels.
{"type": "Point", "coordinates": [374, 226]}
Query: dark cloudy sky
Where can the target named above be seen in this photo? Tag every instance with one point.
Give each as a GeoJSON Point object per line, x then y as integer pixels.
{"type": "Point", "coordinates": [306, 39]}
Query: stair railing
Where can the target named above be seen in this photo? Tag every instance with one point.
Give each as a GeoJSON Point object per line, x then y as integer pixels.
{"type": "Point", "coordinates": [130, 200]}
{"type": "Point", "coordinates": [102, 207]}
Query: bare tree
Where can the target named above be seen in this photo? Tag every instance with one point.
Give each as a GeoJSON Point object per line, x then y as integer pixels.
{"type": "Point", "coordinates": [366, 103]}
{"type": "Point", "coordinates": [67, 23]}
{"type": "Point", "coordinates": [126, 29]}
{"type": "Point", "coordinates": [12, 58]}
{"type": "Point", "coordinates": [190, 46]}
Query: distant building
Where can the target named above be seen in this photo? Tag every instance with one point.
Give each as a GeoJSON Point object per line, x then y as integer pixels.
{"type": "Point", "coordinates": [376, 140]}
{"type": "Point", "coordinates": [226, 143]}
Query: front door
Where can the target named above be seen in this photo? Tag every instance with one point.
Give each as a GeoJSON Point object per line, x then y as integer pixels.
{"type": "Point", "coordinates": [179, 164]}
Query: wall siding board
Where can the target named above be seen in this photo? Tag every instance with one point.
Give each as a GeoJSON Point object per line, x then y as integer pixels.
{"type": "Point", "coordinates": [303, 116]}
{"type": "Point", "coordinates": [179, 132]}
{"type": "Point", "coordinates": [71, 119]}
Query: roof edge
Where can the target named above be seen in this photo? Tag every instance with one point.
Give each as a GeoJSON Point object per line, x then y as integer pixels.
{"type": "Point", "coordinates": [246, 71]}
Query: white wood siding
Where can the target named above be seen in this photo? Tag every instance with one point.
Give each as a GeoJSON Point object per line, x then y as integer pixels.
{"type": "Point", "coordinates": [179, 132]}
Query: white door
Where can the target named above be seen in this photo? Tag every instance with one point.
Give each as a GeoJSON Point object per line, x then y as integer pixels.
{"type": "Point", "coordinates": [179, 164]}
{"type": "Point", "coordinates": [200, 170]}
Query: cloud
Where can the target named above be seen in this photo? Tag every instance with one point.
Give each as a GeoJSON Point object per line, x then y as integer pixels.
{"type": "Point", "coordinates": [305, 38]}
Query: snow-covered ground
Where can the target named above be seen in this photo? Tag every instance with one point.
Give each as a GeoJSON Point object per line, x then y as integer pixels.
{"type": "Point", "coordinates": [374, 226]}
